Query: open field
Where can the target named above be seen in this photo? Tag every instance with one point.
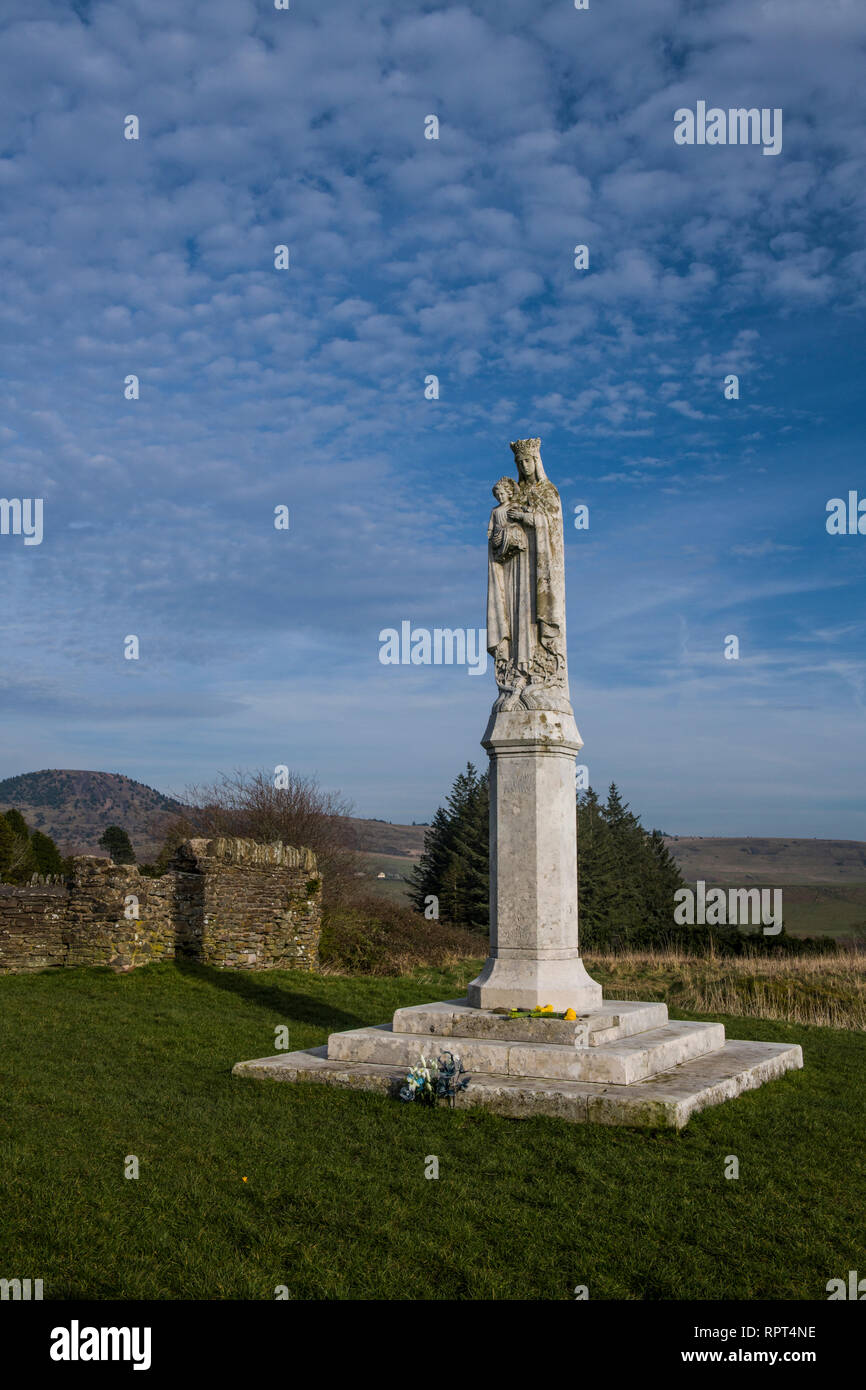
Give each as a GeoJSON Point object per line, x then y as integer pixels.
{"type": "Point", "coordinates": [821, 909]}
{"type": "Point", "coordinates": [97, 1066]}
{"type": "Point", "coordinates": [395, 889]}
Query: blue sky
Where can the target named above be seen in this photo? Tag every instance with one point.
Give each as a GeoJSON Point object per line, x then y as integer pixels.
{"type": "Point", "coordinates": [306, 388]}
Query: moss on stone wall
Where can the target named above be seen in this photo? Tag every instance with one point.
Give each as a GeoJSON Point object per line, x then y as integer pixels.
{"type": "Point", "coordinates": [231, 903]}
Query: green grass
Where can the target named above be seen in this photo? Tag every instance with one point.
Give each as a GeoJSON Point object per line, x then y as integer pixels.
{"type": "Point", "coordinates": [96, 1066]}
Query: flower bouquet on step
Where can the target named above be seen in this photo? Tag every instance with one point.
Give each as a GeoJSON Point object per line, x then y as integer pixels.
{"type": "Point", "coordinates": [431, 1080]}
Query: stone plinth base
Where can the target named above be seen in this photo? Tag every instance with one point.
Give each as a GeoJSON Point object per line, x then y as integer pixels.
{"type": "Point", "coordinates": [534, 953]}
{"type": "Point", "coordinates": [622, 1063]}
{"type": "Point", "coordinates": [515, 981]}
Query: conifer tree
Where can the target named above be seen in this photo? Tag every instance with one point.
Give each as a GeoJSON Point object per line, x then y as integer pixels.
{"type": "Point", "coordinates": [626, 896]}
{"type": "Point", "coordinates": [117, 842]}
{"type": "Point", "coordinates": [596, 866]}
{"type": "Point", "coordinates": [469, 867]}
{"type": "Point", "coordinates": [48, 857]}
{"type": "Point", "coordinates": [454, 865]}
{"type": "Point", "coordinates": [17, 824]}
{"type": "Point", "coordinates": [663, 878]}
{"type": "Point", "coordinates": [627, 877]}
{"type": "Point", "coordinates": [427, 876]}
{"type": "Point", "coordinates": [7, 846]}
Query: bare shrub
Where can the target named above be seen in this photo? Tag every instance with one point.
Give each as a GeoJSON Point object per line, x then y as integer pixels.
{"type": "Point", "coordinates": [248, 805]}
{"type": "Point", "coordinates": [372, 936]}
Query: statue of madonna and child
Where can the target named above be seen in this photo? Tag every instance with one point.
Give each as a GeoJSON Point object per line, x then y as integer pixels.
{"type": "Point", "coordinates": [526, 588]}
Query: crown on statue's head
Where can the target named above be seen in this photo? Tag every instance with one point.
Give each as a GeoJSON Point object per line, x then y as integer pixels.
{"type": "Point", "coordinates": [526, 449]}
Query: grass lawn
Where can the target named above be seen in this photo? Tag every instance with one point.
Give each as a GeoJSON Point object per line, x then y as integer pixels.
{"type": "Point", "coordinates": [96, 1066]}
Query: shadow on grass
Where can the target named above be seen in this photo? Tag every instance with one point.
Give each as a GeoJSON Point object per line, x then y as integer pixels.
{"type": "Point", "coordinates": [252, 988]}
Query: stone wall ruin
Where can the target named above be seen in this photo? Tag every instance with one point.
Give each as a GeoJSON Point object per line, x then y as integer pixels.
{"type": "Point", "coordinates": [229, 903]}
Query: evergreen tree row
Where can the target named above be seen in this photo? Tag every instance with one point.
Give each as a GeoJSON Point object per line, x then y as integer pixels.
{"type": "Point", "coordinates": [627, 876]}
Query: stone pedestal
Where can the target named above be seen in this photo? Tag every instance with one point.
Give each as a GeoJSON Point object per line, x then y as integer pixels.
{"type": "Point", "coordinates": [534, 956]}
{"type": "Point", "coordinates": [624, 1063]}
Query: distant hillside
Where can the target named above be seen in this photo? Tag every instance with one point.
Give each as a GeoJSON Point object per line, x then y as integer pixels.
{"type": "Point", "coordinates": [712, 858]}
{"type": "Point", "coordinates": [752, 860]}
{"type": "Point", "coordinates": [381, 837]}
{"type": "Point", "coordinates": [75, 807]}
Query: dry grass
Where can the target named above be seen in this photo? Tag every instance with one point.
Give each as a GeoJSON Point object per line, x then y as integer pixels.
{"type": "Point", "coordinates": [829, 991]}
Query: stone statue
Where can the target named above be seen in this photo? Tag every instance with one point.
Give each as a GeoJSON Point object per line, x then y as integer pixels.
{"type": "Point", "coordinates": [526, 588]}
{"type": "Point", "coordinates": [532, 741]}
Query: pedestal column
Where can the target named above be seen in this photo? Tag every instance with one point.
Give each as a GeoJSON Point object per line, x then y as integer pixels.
{"type": "Point", "coordinates": [534, 956]}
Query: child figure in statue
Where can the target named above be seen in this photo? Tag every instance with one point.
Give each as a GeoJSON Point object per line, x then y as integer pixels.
{"type": "Point", "coordinates": [506, 538]}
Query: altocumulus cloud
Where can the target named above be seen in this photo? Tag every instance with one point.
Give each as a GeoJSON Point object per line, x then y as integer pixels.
{"type": "Point", "coordinates": [409, 257]}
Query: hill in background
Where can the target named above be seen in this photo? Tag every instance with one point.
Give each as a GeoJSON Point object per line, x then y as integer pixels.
{"type": "Point", "coordinates": [753, 860]}
{"type": "Point", "coordinates": [381, 837]}
{"type": "Point", "coordinates": [74, 808]}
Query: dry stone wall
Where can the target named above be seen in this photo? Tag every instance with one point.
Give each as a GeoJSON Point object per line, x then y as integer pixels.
{"type": "Point", "coordinates": [229, 903]}
{"type": "Point", "coordinates": [31, 927]}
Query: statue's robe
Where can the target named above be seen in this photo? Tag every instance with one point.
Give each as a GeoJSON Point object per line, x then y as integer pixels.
{"type": "Point", "coordinates": [526, 591]}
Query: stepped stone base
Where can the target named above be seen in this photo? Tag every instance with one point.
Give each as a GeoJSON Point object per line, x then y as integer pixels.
{"type": "Point", "coordinates": [612, 1020]}
{"type": "Point", "coordinates": [624, 1063]}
